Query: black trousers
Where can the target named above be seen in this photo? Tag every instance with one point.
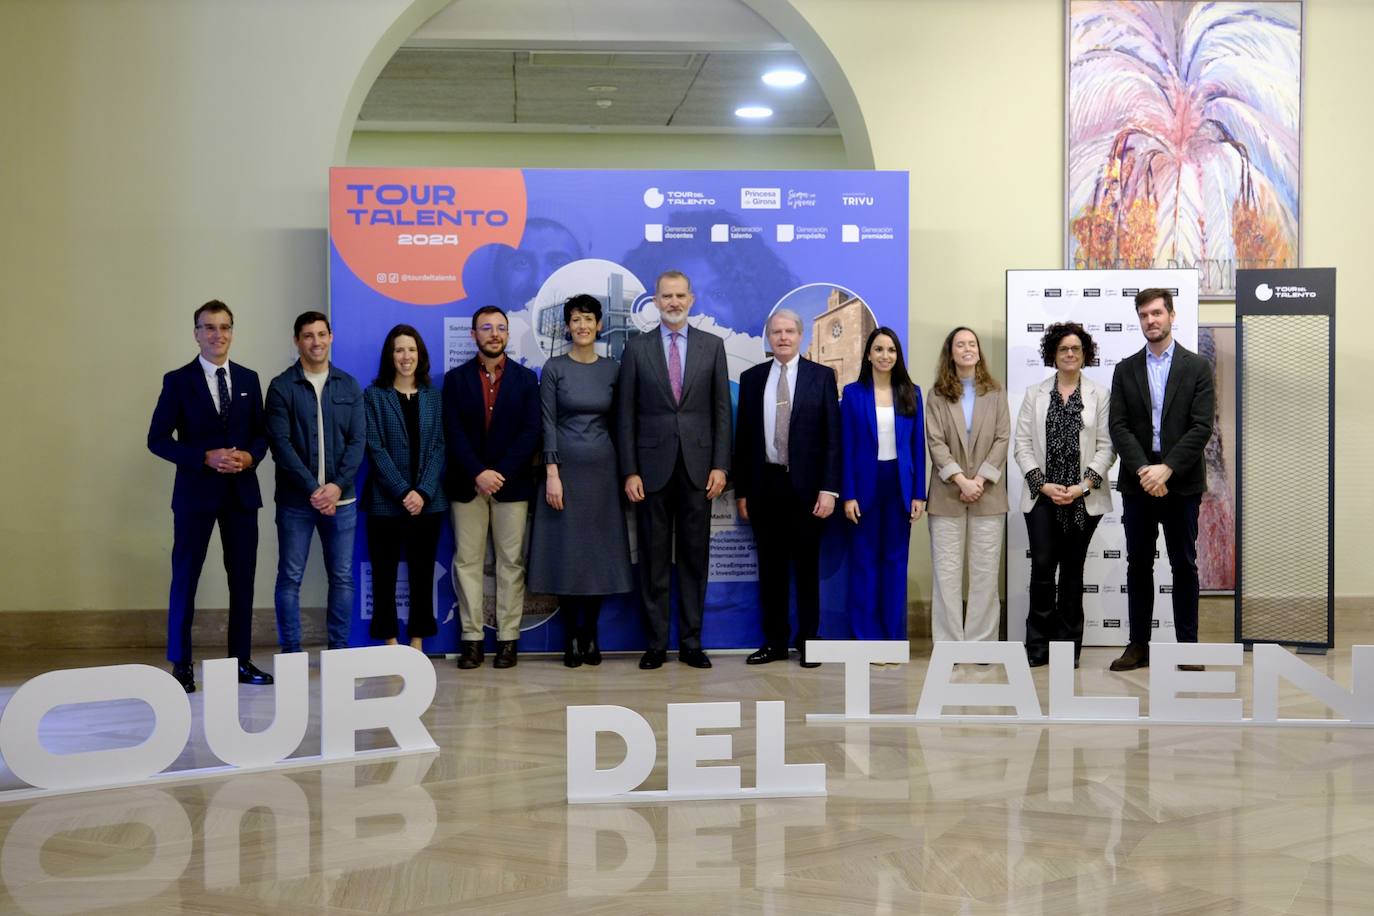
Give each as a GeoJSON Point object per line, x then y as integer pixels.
{"type": "Point", "coordinates": [1142, 516]}
{"type": "Point", "coordinates": [678, 510]}
{"type": "Point", "coordinates": [1056, 611]}
{"type": "Point", "coordinates": [417, 536]}
{"type": "Point", "coordinates": [238, 534]}
{"type": "Point", "coordinates": [788, 538]}
{"type": "Point", "coordinates": [580, 614]}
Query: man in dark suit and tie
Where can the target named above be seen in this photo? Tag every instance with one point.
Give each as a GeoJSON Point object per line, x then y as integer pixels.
{"type": "Point", "coordinates": [209, 423]}
{"type": "Point", "coordinates": [492, 430]}
{"type": "Point", "coordinates": [674, 448]}
{"type": "Point", "coordinates": [1161, 419]}
{"type": "Point", "coordinates": [787, 478]}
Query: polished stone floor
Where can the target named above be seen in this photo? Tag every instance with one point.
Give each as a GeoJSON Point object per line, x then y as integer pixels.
{"type": "Point", "coordinates": [1053, 819]}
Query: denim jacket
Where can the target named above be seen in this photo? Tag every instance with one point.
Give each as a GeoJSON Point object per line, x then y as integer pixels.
{"type": "Point", "coordinates": [292, 433]}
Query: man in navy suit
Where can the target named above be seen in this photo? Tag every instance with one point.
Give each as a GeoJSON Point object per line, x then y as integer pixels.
{"type": "Point", "coordinates": [674, 451]}
{"type": "Point", "coordinates": [209, 423]}
{"type": "Point", "coordinates": [787, 477]}
{"type": "Point", "coordinates": [492, 430]}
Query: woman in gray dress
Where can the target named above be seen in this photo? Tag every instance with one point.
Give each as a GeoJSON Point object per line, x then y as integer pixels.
{"type": "Point", "coordinates": [579, 548]}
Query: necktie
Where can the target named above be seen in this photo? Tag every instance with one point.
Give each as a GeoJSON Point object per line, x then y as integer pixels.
{"type": "Point", "coordinates": [675, 367]}
{"type": "Point", "coordinates": [221, 377]}
{"type": "Point", "coordinates": [784, 418]}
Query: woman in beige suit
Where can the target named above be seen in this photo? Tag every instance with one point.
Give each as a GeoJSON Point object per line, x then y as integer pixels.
{"type": "Point", "coordinates": [1064, 450]}
{"type": "Point", "coordinates": [968, 428]}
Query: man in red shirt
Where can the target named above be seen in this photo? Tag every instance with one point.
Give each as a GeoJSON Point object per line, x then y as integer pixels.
{"type": "Point", "coordinates": [491, 427]}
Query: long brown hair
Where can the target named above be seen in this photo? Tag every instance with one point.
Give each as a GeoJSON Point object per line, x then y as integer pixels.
{"type": "Point", "coordinates": [947, 384]}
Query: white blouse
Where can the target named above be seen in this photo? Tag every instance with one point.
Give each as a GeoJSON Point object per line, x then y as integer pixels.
{"type": "Point", "coordinates": [887, 434]}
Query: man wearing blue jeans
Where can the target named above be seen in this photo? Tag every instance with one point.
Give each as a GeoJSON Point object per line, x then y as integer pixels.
{"type": "Point", "coordinates": [316, 429]}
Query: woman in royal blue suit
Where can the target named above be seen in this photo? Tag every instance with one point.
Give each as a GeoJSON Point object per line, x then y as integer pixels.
{"type": "Point", "coordinates": [883, 485]}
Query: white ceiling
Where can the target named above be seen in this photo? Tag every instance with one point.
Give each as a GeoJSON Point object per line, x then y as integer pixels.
{"type": "Point", "coordinates": [489, 65]}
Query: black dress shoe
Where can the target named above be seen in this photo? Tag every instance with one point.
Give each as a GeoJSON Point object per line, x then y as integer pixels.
{"type": "Point", "coordinates": [804, 661]}
{"type": "Point", "coordinates": [250, 673]}
{"type": "Point", "coordinates": [591, 652]}
{"type": "Point", "coordinates": [696, 658]}
{"type": "Point", "coordinates": [1192, 668]}
{"type": "Point", "coordinates": [472, 655]}
{"type": "Point", "coordinates": [505, 654]}
{"type": "Point", "coordinates": [1137, 655]}
{"type": "Point", "coordinates": [651, 659]}
{"type": "Point", "coordinates": [185, 675]}
{"type": "Point", "coordinates": [1037, 661]}
{"type": "Point", "coordinates": [764, 656]}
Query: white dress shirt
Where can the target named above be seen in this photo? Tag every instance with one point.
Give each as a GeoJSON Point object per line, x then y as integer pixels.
{"type": "Point", "coordinates": [213, 381]}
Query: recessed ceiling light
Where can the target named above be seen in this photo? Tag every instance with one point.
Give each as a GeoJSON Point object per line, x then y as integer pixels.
{"type": "Point", "coordinates": [754, 111]}
{"type": "Point", "coordinates": [602, 88]}
{"type": "Point", "coordinates": [784, 79]}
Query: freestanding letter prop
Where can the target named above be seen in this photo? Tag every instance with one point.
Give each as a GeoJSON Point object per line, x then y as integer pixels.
{"type": "Point", "coordinates": [1065, 705]}
{"type": "Point", "coordinates": [342, 715]}
{"type": "Point", "coordinates": [585, 781]}
{"type": "Point", "coordinates": [36, 765]}
{"type": "Point", "coordinates": [1018, 691]}
{"type": "Point", "coordinates": [1271, 661]}
{"type": "Point", "coordinates": [228, 739]}
{"type": "Point", "coordinates": [772, 773]}
{"type": "Point", "coordinates": [686, 748]}
{"type": "Point", "coordinates": [1167, 682]}
{"type": "Point", "coordinates": [857, 655]}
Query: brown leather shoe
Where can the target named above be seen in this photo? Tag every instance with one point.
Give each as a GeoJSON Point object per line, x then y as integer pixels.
{"type": "Point", "coordinates": [1137, 655]}
{"type": "Point", "coordinates": [505, 654]}
{"type": "Point", "coordinates": [472, 655]}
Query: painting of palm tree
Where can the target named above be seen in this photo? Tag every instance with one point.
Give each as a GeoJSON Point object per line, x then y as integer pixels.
{"type": "Point", "coordinates": [1183, 136]}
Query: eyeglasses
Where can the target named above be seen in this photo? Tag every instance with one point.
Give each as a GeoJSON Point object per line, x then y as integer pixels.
{"type": "Point", "coordinates": [222, 328]}
{"type": "Point", "coordinates": [1069, 350]}
{"type": "Point", "coordinates": [488, 328]}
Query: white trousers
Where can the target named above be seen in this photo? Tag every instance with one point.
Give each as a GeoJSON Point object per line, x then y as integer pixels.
{"type": "Point", "coordinates": [952, 538]}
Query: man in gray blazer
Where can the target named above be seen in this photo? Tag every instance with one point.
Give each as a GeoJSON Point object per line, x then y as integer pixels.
{"type": "Point", "coordinates": [674, 449]}
{"type": "Point", "coordinates": [1161, 419]}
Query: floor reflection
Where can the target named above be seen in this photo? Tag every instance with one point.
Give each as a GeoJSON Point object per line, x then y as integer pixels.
{"type": "Point", "coordinates": [118, 848]}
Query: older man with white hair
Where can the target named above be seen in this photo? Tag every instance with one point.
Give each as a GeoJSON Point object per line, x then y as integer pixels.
{"type": "Point", "coordinates": [787, 478]}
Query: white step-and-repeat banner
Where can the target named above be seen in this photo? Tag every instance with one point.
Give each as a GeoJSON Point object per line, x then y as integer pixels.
{"type": "Point", "coordinates": [1103, 301]}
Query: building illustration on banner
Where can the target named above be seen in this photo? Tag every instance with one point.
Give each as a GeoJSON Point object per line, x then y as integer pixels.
{"type": "Point", "coordinates": [838, 335]}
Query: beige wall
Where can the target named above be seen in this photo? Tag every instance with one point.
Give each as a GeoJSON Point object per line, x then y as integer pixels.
{"type": "Point", "coordinates": [597, 151]}
{"type": "Point", "coordinates": [156, 154]}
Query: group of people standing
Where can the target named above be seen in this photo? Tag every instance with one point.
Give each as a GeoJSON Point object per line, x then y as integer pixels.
{"type": "Point", "coordinates": [656, 428]}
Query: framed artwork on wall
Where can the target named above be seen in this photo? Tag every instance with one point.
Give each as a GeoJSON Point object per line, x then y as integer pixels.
{"type": "Point", "coordinates": [1182, 129]}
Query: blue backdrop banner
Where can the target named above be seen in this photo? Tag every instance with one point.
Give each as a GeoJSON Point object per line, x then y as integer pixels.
{"type": "Point", "coordinates": [428, 246]}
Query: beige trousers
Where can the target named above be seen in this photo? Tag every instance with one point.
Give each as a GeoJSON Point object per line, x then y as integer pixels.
{"type": "Point", "coordinates": [506, 522]}
{"type": "Point", "coordinates": [952, 538]}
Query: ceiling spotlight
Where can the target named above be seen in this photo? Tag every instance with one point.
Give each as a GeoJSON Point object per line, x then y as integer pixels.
{"type": "Point", "coordinates": [784, 79]}
{"type": "Point", "coordinates": [754, 111]}
{"type": "Point", "coordinates": [604, 103]}
{"type": "Point", "coordinates": [602, 88]}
